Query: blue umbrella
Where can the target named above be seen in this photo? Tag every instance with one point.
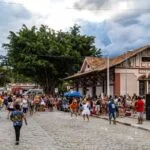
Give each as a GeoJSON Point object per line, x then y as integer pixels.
{"type": "Point", "coordinates": [74, 94]}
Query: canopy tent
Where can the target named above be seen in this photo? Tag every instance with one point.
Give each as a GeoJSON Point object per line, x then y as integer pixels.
{"type": "Point", "coordinates": [72, 94]}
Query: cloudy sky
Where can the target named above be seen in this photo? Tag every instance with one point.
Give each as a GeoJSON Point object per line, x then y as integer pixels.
{"type": "Point", "coordinates": [118, 25]}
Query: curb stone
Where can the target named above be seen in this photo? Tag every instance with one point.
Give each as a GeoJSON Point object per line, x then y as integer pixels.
{"type": "Point", "coordinates": [123, 123]}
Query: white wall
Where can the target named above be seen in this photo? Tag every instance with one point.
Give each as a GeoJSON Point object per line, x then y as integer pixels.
{"type": "Point", "coordinates": [111, 90]}
{"type": "Point", "coordinates": [89, 92]}
{"type": "Point", "coordinates": [98, 90]}
{"type": "Point", "coordinates": [130, 81]}
{"type": "Point", "coordinates": [81, 91]}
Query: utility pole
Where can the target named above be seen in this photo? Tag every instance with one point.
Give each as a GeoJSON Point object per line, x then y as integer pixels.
{"type": "Point", "coordinates": [126, 77]}
{"type": "Point", "coordinates": [108, 72]}
{"type": "Point", "coordinates": [108, 76]}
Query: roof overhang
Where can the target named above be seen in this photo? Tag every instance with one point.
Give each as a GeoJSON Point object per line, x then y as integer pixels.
{"type": "Point", "coordinates": [112, 63]}
{"type": "Point", "coordinates": [78, 75]}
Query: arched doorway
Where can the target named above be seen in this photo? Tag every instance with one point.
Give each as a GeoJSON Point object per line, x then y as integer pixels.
{"type": "Point", "coordinates": [144, 85]}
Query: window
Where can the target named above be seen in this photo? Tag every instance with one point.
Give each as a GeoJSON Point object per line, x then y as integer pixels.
{"type": "Point", "coordinates": [146, 59]}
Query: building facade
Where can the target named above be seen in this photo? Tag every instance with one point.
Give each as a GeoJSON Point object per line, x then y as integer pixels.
{"type": "Point", "coordinates": [129, 74]}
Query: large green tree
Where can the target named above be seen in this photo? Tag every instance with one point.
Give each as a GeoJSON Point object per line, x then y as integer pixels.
{"type": "Point", "coordinates": [4, 76]}
{"type": "Point", "coordinates": [46, 55]}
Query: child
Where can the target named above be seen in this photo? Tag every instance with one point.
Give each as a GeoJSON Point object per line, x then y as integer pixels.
{"type": "Point", "coordinates": [86, 110]}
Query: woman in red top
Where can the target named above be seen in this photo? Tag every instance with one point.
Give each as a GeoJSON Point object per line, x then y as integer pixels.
{"type": "Point", "coordinates": [139, 105]}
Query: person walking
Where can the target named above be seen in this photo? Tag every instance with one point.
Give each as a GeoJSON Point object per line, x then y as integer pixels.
{"type": "Point", "coordinates": [98, 106]}
{"type": "Point", "coordinates": [10, 108]}
{"type": "Point", "coordinates": [86, 110]}
{"type": "Point", "coordinates": [25, 105]}
{"type": "Point", "coordinates": [140, 109]}
{"type": "Point", "coordinates": [112, 111]}
{"type": "Point", "coordinates": [73, 108]}
{"type": "Point", "coordinates": [37, 103]}
{"type": "Point", "coordinates": [17, 117]}
{"type": "Point", "coordinates": [5, 102]}
{"type": "Point", "coordinates": [31, 105]}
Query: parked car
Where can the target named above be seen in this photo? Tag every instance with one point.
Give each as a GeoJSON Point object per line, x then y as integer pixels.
{"type": "Point", "coordinates": [34, 92]}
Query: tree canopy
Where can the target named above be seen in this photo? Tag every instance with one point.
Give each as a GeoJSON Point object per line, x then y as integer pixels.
{"type": "Point", "coordinates": [46, 55]}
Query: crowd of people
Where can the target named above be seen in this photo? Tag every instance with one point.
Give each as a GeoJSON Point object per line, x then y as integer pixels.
{"type": "Point", "coordinates": [124, 105]}
{"type": "Point", "coordinates": [18, 107]}
{"type": "Point", "coordinates": [32, 103]}
{"type": "Point", "coordinates": [114, 107]}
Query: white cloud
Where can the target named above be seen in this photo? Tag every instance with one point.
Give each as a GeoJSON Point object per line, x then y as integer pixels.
{"type": "Point", "coordinates": [129, 37]}
{"type": "Point", "coordinates": [12, 17]}
{"type": "Point", "coordinates": [61, 14]}
{"type": "Point", "coordinates": [127, 21]}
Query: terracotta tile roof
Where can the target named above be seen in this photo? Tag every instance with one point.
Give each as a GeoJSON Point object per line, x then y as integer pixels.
{"type": "Point", "coordinates": [119, 59]}
{"type": "Point", "coordinates": [99, 64]}
{"type": "Point", "coordinates": [95, 62]}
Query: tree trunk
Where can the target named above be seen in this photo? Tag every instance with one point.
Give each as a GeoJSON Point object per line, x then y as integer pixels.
{"type": "Point", "coordinates": [48, 82]}
{"type": "Point", "coordinates": [50, 87]}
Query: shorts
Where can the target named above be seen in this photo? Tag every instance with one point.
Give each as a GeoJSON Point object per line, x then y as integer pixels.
{"type": "Point", "coordinates": [140, 114]}
{"type": "Point", "coordinates": [25, 110]}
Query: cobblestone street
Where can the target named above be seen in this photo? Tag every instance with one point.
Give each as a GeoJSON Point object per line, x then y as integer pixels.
{"type": "Point", "coordinates": [56, 131]}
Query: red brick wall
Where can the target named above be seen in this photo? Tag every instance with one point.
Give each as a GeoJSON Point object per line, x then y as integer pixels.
{"type": "Point", "coordinates": [117, 84]}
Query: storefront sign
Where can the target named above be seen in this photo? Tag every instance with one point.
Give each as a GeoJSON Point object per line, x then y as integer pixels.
{"type": "Point", "coordinates": [144, 71]}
